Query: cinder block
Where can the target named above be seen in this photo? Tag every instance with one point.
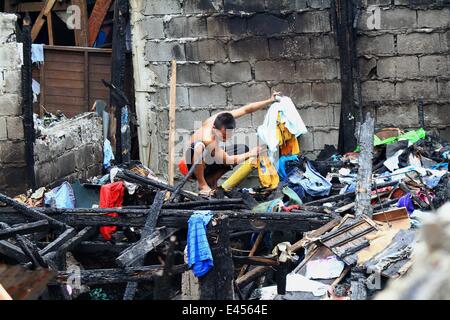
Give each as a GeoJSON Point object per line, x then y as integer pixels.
{"type": "Point", "coordinates": [444, 89]}
{"type": "Point", "coordinates": [319, 4]}
{"type": "Point", "coordinates": [182, 97]}
{"type": "Point", "coordinates": [306, 142]}
{"type": "Point", "coordinates": [398, 19]}
{"type": "Point", "coordinates": [381, 44]}
{"type": "Point", "coordinates": [404, 115]}
{"type": "Point", "coordinates": [368, 67]}
{"type": "Point", "coordinates": [313, 21]}
{"type": "Point", "coordinates": [183, 27]}
{"type": "Point", "coordinates": [152, 28]}
{"type": "Point", "coordinates": [434, 18]}
{"type": "Point", "coordinates": [435, 115]}
{"type": "Point", "coordinates": [324, 46]}
{"type": "Point", "coordinates": [11, 82]}
{"type": "Point", "coordinates": [275, 70]}
{"type": "Point", "coordinates": [231, 72]}
{"type": "Point", "coordinates": [318, 116]}
{"type": "Point", "coordinates": [193, 73]}
{"type": "Point", "coordinates": [161, 71]}
{"type": "Point", "coordinates": [244, 5]}
{"type": "Point", "coordinates": [321, 138]}
{"type": "Point", "coordinates": [65, 165]}
{"type": "Point", "coordinates": [204, 6]}
{"type": "Point", "coordinates": [418, 43]}
{"type": "Point", "coordinates": [317, 69]}
{"type": "Point", "coordinates": [300, 93]}
{"type": "Point", "coordinates": [206, 50]}
{"type": "Point", "coordinates": [286, 5]}
{"type": "Point", "coordinates": [254, 48]}
{"type": "Point", "coordinates": [3, 131]}
{"type": "Point", "coordinates": [378, 91]}
{"type": "Point", "coordinates": [7, 28]}
{"type": "Point", "coordinates": [258, 118]}
{"type": "Point", "coordinates": [164, 51]}
{"type": "Point", "coordinates": [10, 56]}
{"type": "Point", "coordinates": [226, 26]}
{"type": "Point", "coordinates": [207, 96]}
{"type": "Point", "coordinates": [378, 2]}
{"type": "Point", "coordinates": [267, 24]}
{"type": "Point", "coordinates": [289, 48]}
{"type": "Point", "coordinates": [434, 66]}
{"type": "Point", "coordinates": [244, 93]}
{"type": "Point", "coordinates": [412, 90]}
{"type": "Point", "coordinates": [10, 105]}
{"type": "Point", "coordinates": [162, 7]}
{"type": "Point", "coordinates": [15, 128]}
{"type": "Point", "coordinates": [244, 122]}
{"type": "Point", "coordinates": [190, 120]}
{"type": "Point", "coordinates": [398, 67]}
{"type": "Point", "coordinates": [326, 92]}
{"type": "Point", "coordinates": [12, 152]}
{"type": "Point", "coordinates": [14, 180]}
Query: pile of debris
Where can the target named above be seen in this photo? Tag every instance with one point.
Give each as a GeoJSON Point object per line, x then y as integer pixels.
{"type": "Point", "coordinates": [320, 233]}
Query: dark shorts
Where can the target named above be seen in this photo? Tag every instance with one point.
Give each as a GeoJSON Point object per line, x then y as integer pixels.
{"type": "Point", "coordinates": [213, 168]}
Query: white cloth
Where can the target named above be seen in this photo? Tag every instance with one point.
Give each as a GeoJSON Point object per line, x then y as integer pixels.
{"type": "Point", "coordinates": [37, 53]}
{"type": "Point", "coordinates": [329, 268]}
{"type": "Point", "coordinates": [289, 115]}
{"type": "Point", "coordinates": [297, 282]}
{"type": "Point", "coordinates": [36, 86]}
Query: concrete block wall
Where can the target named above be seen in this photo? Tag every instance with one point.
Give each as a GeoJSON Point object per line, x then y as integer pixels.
{"type": "Point", "coordinates": [13, 178]}
{"type": "Point", "coordinates": [407, 55]}
{"type": "Point", "coordinates": [232, 52]}
{"type": "Point", "coordinates": [72, 149]}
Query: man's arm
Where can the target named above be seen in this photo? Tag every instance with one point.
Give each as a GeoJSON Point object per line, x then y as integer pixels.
{"type": "Point", "coordinates": [235, 159]}
{"type": "Point", "coordinates": [255, 106]}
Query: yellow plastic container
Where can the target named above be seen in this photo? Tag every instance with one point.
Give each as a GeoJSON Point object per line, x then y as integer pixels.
{"type": "Point", "coordinates": [241, 173]}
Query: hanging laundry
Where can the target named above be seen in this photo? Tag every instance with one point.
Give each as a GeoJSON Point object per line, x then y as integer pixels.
{"type": "Point", "coordinates": [284, 112]}
{"type": "Point", "coordinates": [37, 53]}
{"type": "Point", "coordinates": [61, 197]}
{"type": "Point", "coordinates": [268, 176]}
{"type": "Point", "coordinates": [199, 254]}
{"type": "Point", "coordinates": [111, 196]}
{"type": "Point", "coordinates": [108, 154]}
{"type": "Point", "coordinates": [288, 142]}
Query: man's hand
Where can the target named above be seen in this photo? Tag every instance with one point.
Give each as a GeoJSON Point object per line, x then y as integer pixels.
{"type": "Point", "coordinates": [274, 96]}
{"type": "Point", "coordinates": [255, 152]}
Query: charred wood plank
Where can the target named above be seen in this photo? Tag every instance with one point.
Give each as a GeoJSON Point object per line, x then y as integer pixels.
{"type": "Point", "coordinates": [59, 241]}
{"type": "Point", "coordinates": [137, 251]}
{"type": "Point", "coordinates": [31, 213]}
{"type": "Point", "coordinates": [12, 251]}
{"type": "Point", "coordinates": [31, 250]}
{"type": "Point", "coordinates": [111, 276]}
{"type": "Point", "coordinates": [24, 229]}
{"type": "Point", "coordinates": [255, 261]}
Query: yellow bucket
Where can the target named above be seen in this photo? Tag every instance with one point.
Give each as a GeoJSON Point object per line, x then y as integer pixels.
{"type": "Point", "coordinates": [241, 173]}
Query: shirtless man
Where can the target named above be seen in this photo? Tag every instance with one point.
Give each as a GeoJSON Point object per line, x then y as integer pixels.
{"type": "Point", "coordinates": [216, 161]}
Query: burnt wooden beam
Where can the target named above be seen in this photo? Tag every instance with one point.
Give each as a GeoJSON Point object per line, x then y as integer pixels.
{"type": "Point", "coordinates": [12, 251]}
{"type": "Point", "coordinates": [239, 221]}
{"type": "Point", "coordinates": [24, 229]}
{"type": "Point", "coordinates": [364, 183]}
{"type": "Point", "coordinates": [162, 289]}
{"type": "Point", "coordinates": [31, 251]}
{"type": "Point", "coordinates": [59, 241]}
{"type": "Point", "coordinates": [343, 18]}
{"type": "Point", "coordinates": [255, 261]}
{"type": "Point", "coordinates": [135, 254]}
{"type": "Point", "coordinates": [31, 213]}
{"type": "Point", "coordinates": [112, 276]}
{"type": "Point", "coordinates": [96, 19]}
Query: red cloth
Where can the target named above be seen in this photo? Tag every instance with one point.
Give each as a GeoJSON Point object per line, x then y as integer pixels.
{"type": "Point", "coordinates": [111, 196]}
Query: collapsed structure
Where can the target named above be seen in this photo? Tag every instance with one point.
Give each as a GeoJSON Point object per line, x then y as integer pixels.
{"type": "Point", "coordinates": [99, 225]}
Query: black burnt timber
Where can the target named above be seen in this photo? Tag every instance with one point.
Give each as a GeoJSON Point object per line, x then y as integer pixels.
{"type": "Point", "coordinates": [59, 241]}
{"type": "Point", "coordinates": [255, 261]}
{"type": "Point", "coordinates": [114, 276]}
{"type": "Point", "coordinates": [144, 181]}
{"type": "Point", "coordinates": [239, 220]}
{"type": "Point", "coordinates": [137, 252]}
{"type": "Point", "coordinates": [31, 250]}
{"type": "Point", "coordinates": [12, 251]}
{"type": "Point", "coordinates": [23, 229]}
{"type": "Point", "coordinates": [31, 213]}
{"type": "Point", "coordinates": [203, 203]}
{"type": "Point", "coordinates": [162, 289]}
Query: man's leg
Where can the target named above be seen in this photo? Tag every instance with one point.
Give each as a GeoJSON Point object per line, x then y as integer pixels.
{"type": "Point", "coordinates": [199, 171]}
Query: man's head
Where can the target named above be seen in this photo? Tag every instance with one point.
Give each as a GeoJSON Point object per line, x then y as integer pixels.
{"type": "Point", "coordinates": [224, 125]}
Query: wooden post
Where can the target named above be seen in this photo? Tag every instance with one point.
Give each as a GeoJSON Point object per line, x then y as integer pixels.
{"type": "Point", "coordinates": [40, 21]}
{"type": "Point", "coordinates": [81, 34]}
{"type": "Point", "coordinates": [172, 115]}
{"type": "Point", "coordinates": [50, 29]}
{"type": "Point", "coordinates": [217, 284]}
{"type": "Point", "coordinates": [364, 185]}
{"type": "Point", "coordinates": [96, 19]}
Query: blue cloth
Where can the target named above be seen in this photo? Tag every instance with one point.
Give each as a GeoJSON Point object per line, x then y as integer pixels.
{"type": "Point", "coordinates": [313, 183]}
{"type": "Point", "coordinates": [440, 166]}
{"type": "Point", "coordinates": [108, 154]}
{"type": "Point", "coordinates": [61, 197]}
{"type": "Point", "coordinates": [281, 165]}
{"type": "Point", "coordinates": [198, 251]}
{"type": "Point", "coordinates": [37, 53]}
{"type": "Point", "coordinates": [406, 202]}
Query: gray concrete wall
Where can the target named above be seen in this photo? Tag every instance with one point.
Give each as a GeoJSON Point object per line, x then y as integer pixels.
{"type": "Point", "coordinates": [68, 150]}
{"type": "Point", "coordinates": [232, 52]}
{"type": "Point", "coordinates": [405, 57]}
{"type": "Point", "coordinates": [12, 146]}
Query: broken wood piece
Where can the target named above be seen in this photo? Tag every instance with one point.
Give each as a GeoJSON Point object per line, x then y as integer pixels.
{"type": "Point", "coordinates": [255, 246]}
{"type": "Point", "coordinates": [40, 21]}
{"type": "Point", "coordinates": [31, 250]}
{"type": "Point", "coordinates": [255, 261]}
{"type": "Point", "coordinates": [96, 19]}
{"type": "Point", "coordinates": [137, 251]}
{"type": "Point", "coordinates": [59, 241]}
{"type": "Point", "coordinates": [24, 229]}
{"type": "Point", "coordinates": [111, 276]}
{"type": "Point", "coordinates": [12, 251]}
{"type": "Point", "coordinates": [31, 213]}
{"type": "Point", "coordinates": [172, 115]}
